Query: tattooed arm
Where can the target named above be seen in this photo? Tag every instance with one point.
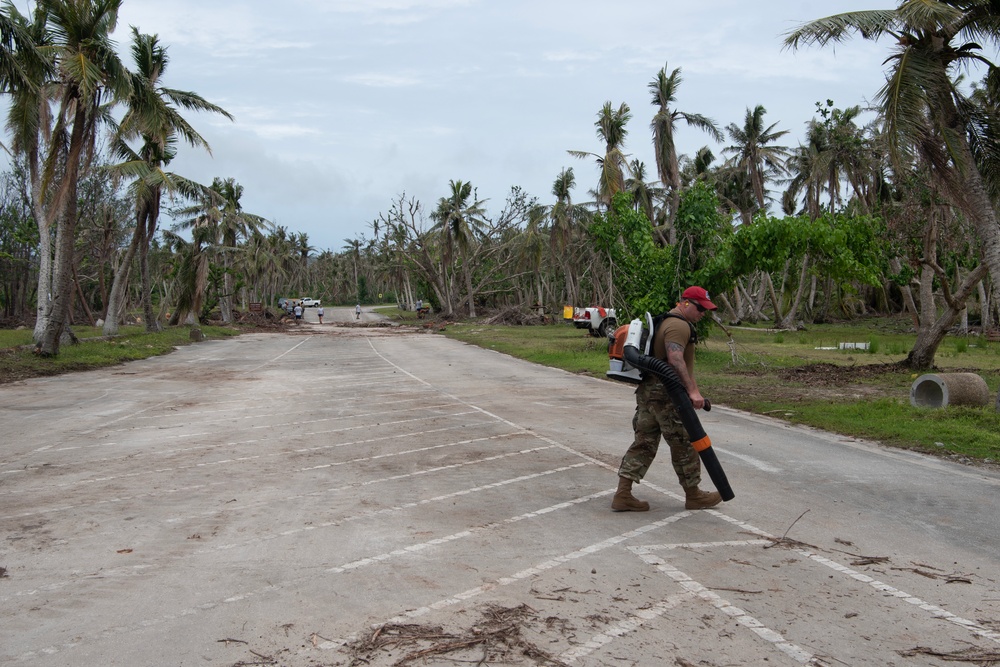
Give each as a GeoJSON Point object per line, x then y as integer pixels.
{"type": "Point", "coordinates": [675, 357]}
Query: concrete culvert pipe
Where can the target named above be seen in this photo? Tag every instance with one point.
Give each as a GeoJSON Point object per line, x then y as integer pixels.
{"type": "Point", "coordinates": [944, 389]}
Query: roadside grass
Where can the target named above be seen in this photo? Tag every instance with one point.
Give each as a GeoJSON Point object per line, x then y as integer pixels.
{"type": "Point", "coordinates": [797, 377]}
{"type": "Point", "coordinates": [559, 346]}
{"type": "Point", "coordinates": [18, 361]}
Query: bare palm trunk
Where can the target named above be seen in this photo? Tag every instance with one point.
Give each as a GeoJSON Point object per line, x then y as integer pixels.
{"type": "Point", "coordinates": [44, 278]}
{"type": "Point", "coordinates": [226, 303]}
{"type": "Point", "coordinates": [152, 323]}
{"type": "Point", "coordinates": [151, 217]}
{"type": "Point", "coordinates": [788, 321]}
{"type": "Point", "coordinates": [80, 295]}
{"type": "Point", "coordinates": [62, 273]}
{"type": "Point", "coordinates": [985, 307]}
{"type": "Point", "coordinates": [730, 311]}
{"type": "Point", "coordinates": [909, 304]}
{"type": "Point", "coordinates": [44, 248]}
{"type": "Point", "coordinates": [116, 301]}
{"type": "Point", "coordinates": [775, 303]}
{"type": "Point", "coordinates": [467, 270]}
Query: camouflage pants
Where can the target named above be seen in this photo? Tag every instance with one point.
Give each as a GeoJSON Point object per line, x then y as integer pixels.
{"type": "Point", "coordinates": [655, 415]}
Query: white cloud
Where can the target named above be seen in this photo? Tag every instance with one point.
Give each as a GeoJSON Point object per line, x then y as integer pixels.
{"type": "Point", "coordinates": [380, 80]}
{"type": "Point", "coordinates": [341, 105]}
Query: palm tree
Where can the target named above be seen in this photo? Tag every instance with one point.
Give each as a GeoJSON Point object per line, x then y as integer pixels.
{"type": "Point", "coordinates": [610, 126]}
{"type": "Point", "coordinates": [643, 193]}
{"type": "Point", "coordinates": [353, 247]}
{"type": "Point", "coordinates": [19, 58]}
{"type": "Point", "coordinates": [152, 116]}
{"type": "Point", "coordinates": [807, 172]}
{"type": "Point", "coordinates": [89, 72]}
{"type": "Point", "coordinates": [191, 271]}
{"type": "Point", "coordinates": [922, 108]}
{"type": "Point", "coordinates": [25, 78]}
{"type": "Point", "coordinates": [564, 228]}
{"type": "Point", "coordinates": [233, 225]}
{"type": "Point", "coordinates": [753, 152]}
{"type": "Point", "coordinates": [664, 91]}
{"type": "Point", "coordinates": [220, 212]}
{"type": "Point", "coordinates": [459, 221]}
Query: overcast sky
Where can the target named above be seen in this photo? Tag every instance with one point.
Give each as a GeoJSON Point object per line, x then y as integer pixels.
{"type": "Point", "coordinates": [341, 105]}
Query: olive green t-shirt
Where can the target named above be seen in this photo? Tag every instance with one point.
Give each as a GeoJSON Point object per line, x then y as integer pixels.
{"type": "Point", "coordinates": [676, 330]}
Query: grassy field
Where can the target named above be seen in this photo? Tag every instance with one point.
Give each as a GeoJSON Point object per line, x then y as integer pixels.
{"type": "Point", "coordinates": [18, 362]}
{"type": "Point", "coordinates": [794, 376]}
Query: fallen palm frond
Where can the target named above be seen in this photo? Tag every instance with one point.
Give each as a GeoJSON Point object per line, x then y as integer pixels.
{"type": "Point", "coordinates": [496, 637]}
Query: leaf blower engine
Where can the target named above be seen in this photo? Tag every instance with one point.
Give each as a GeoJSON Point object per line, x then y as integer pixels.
{"type": "Point", "coordinates": [630, 361]}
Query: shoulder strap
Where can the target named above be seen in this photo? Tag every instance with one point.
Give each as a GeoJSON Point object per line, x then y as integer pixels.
{"type": "Point", "coordinates": [663, 316]}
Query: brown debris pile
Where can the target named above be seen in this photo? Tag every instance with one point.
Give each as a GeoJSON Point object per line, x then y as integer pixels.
{"type": "Point", "coordinates": [834, 375]}
{"type": "Point", "coordinates": [495, 638]}
{"type": "Point", "coordinates": [517, 317]}
{"type": "Point", "coordinates": [261, 320]}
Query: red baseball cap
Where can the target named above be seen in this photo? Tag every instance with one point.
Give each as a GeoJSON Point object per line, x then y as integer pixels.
{"type": "Point", "coordinates": [699, 296]}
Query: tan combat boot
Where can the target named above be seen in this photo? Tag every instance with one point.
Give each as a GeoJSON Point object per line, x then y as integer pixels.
{"type": "Point", "coordinates": [696, 499]}
{"type": "Point", "coordinates": [624, 501]}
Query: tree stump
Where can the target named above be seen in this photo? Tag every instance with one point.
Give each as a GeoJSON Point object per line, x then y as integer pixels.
{"type": "Point", "coordinates": [944, 389]}
{"type": "Point", "coordinates": [196, 335]}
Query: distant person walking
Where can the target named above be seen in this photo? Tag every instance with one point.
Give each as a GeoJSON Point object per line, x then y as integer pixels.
{"type": "Point", "coordinates": [319, 314]}
{"type": "Point", "coordinates": [357, 312]}
{"type": "Point", "coordinates": [298, 312]}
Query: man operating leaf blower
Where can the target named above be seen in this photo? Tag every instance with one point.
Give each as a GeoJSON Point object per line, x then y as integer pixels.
{"type": "Point", "coordinates": [666, 400]}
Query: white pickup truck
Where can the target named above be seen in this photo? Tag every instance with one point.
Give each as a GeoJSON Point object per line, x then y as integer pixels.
{"type": "Point", "coordinates": [597, 321]}
{"type": "Point", "coordinates": [308, 302]}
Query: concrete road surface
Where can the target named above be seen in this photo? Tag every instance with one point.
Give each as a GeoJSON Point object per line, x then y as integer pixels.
{"type": "Point", "coordinates": [352, 496]}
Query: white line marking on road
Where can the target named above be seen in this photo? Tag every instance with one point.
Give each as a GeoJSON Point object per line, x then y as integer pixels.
{"type": "Point", "coordinates": [650, 548]}
{"type": "Point", "coordinates": [257, 539]}
{"type": "Point", "coordinates": [623, 627]}
{"type": "Point", "coordinates": [756, 463]}
{"type": "Point", "coordinates": [347, 567]}
{"type": "Point", "coordinates": [793, 651]}
{"type": "Point", "coordinates": [935, 611]}
{"type": "Point", "coordinates": [227, 444]}
{"type": "Point", "coordinates": [542, 567]}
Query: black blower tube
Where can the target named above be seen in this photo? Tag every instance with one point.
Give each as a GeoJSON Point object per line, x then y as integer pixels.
{"type": "Point", "coordinates": [679, 396]}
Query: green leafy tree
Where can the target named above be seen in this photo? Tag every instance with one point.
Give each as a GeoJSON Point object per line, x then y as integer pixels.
{"type": "Point", "coordinates": [845, 248]}
{"type": "Point", "coordinates": [923, 110]}
{"type": "Point", "coordinates": [643, 272]}
{"type": "Point", "coordinates": [701, 230]}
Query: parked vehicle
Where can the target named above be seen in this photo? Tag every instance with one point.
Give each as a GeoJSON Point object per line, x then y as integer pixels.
{"type": "Point", "coordinates": [308, 302]}
{"type": "Point", "coordinates": [598, 321]}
